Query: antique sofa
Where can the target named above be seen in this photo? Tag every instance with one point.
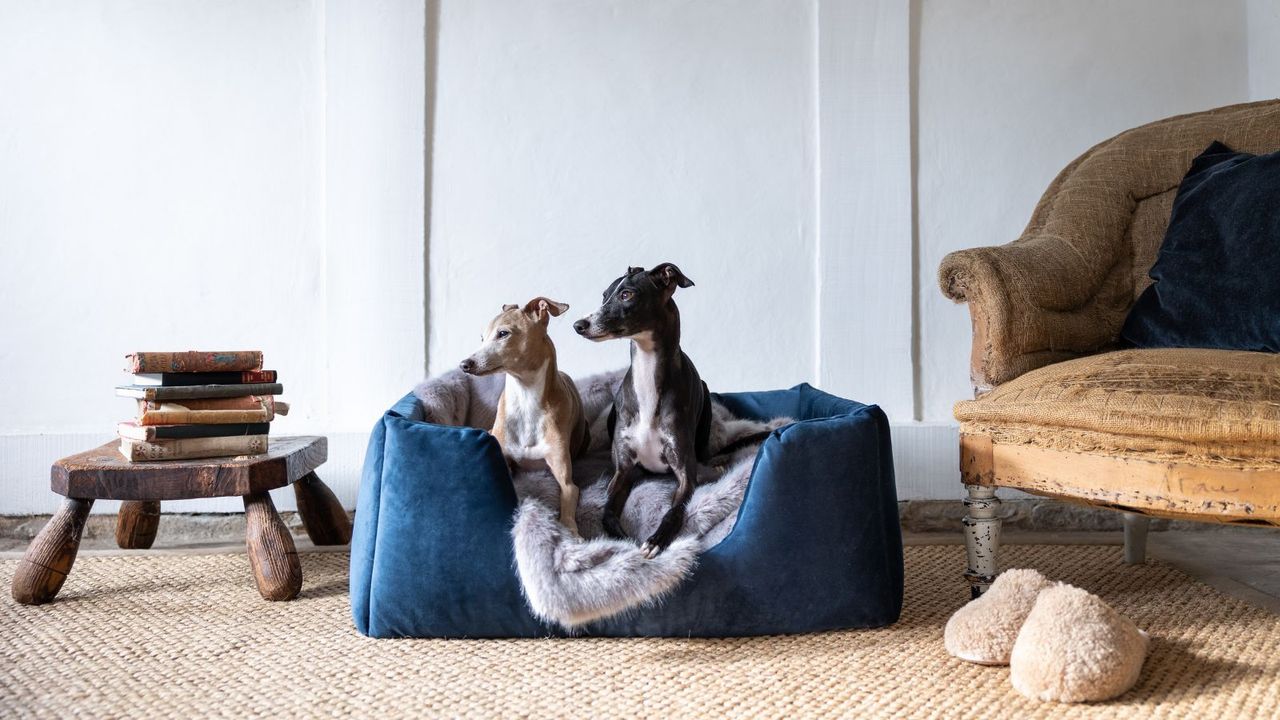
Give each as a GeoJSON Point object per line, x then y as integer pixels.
{"type": "Point", "coordinates": [1060, 408]}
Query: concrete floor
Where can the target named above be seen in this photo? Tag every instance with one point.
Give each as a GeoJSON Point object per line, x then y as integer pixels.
{"type": "Point", "coordinates": [1239, 561]}
{"type": "Point", "coordinates": [1242, 562]}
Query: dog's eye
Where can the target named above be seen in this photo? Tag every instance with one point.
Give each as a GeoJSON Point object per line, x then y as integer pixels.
{"type": "Point", "coordinates": [502, 334]}
{"type": "Point", "coordinates": [625, 295]}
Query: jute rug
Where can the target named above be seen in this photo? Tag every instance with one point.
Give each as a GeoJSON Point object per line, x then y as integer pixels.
{"type": "Point", "coordinates": [187, 636]}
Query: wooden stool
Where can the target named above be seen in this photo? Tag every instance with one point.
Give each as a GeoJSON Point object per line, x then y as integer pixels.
{"type": "Point", "coordinates": [104, 474]}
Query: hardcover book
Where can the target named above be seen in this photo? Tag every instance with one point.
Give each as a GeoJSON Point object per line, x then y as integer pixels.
{"type": "Point", "coordinates": [236, 377]}
{"type": "Point", "coordinates": [193, 361]}
{"type": "Point", "coordinates": [213, 411]}
{"type": "Point", "coordinates": [195, 392]}
{"type": "Point", "coordinates": [191, 448]}
{"type": "Point", "coordinates": [149, 433]}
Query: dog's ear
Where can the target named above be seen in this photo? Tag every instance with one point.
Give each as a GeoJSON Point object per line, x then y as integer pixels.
{"type": "Point", "coordinates": [669, 276]}
{"type": "Point", "coordinates": [543, 308]}
{"type": "Point", "coordinates": [509, 308]}
{"type": "Point", "coordinates": [634, 270]}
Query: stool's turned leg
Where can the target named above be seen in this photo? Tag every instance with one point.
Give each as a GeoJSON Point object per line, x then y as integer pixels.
{"type": "Point", "coordinates": [43, 569]}
{"type": "Point", "coordinates": [137, 523]}
{"type": "Point", "coordinates": [1135, 538]}
{"type": "Point", "coordinates": [981, 537]}
{"type": "Point", "coordinates": [322, 515]}
{"type": "Point", "coordinates": [271, 551]}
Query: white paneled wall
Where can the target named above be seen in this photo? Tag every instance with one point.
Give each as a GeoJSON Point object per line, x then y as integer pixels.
{"type": "Point", "coordinates": [1011, 91]}
{"type": "Point", "coordinates": [193, 174]}
{"type": "Point", "coordinates": [762, 146]}
{"type": "Point", "coordinates": [1263, 23]}
{"type": "Point", "coordinates": [574, 139]}
{"type": "Point", "coordinates": [262, 174]}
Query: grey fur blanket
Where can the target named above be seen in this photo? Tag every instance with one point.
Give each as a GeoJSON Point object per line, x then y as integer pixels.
{"type": "Point", "coordinates": [573, 581]}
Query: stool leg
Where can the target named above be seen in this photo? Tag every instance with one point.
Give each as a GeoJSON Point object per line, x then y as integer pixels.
{"type": "Point", "coordinates": [48, 560]}
{"type": "Point", "coordinates": [137, 523]}
{"type": "Point", "coordinates": [271, 550]}
{"type": "Point", "coordinates": [325, 521]}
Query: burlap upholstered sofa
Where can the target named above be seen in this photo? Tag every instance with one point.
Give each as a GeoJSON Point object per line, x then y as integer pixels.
{"type": "Point", "coordinates": [1060, 410]}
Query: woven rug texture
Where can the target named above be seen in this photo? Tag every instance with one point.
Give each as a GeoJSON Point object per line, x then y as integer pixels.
{"type": "Point", "coordinates": [188, 636]}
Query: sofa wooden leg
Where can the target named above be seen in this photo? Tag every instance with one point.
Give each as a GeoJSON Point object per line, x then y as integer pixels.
{"type": "Point", "coordinates": [981, 536]}
{"type": "Point", "coordinates": [1135, 538]}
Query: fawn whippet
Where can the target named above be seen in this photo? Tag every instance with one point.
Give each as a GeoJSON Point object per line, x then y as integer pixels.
{"type": "Point", "coordinates": [540, 417]}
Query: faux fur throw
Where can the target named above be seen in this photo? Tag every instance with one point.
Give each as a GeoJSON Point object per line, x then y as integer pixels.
{"type": "Point", "coordinates": [573, 581]}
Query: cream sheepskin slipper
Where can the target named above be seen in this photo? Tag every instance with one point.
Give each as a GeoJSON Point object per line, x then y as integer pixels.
{"type": "Point", "coordinates": [1074, 647]}
{"type": "Point", "coordinates": [984, 631]}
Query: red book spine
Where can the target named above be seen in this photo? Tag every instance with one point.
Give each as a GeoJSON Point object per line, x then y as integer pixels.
{"type": "Point", "coordinates": [258, 376]}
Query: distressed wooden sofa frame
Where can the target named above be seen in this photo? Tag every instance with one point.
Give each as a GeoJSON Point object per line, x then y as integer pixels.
{"type": "Point", "coordinates": [1060, 410]}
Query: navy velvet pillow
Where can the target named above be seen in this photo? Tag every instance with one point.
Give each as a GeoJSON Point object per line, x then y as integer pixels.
{"type": "Point", "coordinates": [1217, 278]}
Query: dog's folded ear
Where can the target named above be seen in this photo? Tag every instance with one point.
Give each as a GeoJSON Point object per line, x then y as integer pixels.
{"type": "Point", "coordinates": [509, 308]}
{"type": "Point", "coordinates": [667, 274]}
{"type": "Point", "coordinates": [541, 307]}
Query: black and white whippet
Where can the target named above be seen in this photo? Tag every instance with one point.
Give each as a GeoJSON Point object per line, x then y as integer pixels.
{"type": "Point", "coordinates": [661, 417]}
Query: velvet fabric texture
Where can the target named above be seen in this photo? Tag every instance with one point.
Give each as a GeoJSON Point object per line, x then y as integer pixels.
{"type": "Point", "coordinates": [816, 546]}
{"type": "Point", "coordinates": [1217, 277]}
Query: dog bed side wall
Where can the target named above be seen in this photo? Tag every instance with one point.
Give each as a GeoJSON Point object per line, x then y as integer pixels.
{"type": "Point", "coordinates": [817, 544]}
{"type": "Point", "coordinates": [812, 550]}
{"type": "Point", "coordinates": [360, 577]}
{"type": "Point", "coordinates": [449, 489]}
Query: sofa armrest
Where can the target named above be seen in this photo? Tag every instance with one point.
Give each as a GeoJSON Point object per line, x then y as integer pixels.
{"type": "Point", "coordinates": [1037, 301]}
{"type": "Point", "coordinates": [1063, 289]}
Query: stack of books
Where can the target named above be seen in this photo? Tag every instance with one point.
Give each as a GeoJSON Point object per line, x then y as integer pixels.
{"type": "Point", "coordinates": [198, 405]}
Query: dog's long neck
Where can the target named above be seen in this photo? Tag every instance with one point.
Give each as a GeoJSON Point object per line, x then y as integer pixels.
{"type": "Point", "coordinates": [654, 353]}
{"type": "Point", "coordinates": [533, 381]}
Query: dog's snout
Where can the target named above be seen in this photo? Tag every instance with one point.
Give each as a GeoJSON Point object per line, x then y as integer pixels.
{"type": "Point", "coordinates": [467, 366]}
{"type": "Point", "coordinates": [580, 326]}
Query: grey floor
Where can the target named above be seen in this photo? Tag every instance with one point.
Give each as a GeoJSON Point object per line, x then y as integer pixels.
{"type": "Point", "coordinates": [1239, 561]}
{"type": "Point", "coordinates": [1242, 562]}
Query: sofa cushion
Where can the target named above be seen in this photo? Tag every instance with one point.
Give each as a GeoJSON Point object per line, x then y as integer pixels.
{"type": "Point", "coordinates": [1205, 405]}
{"type": "Point", "coordinates": [1215, 277]}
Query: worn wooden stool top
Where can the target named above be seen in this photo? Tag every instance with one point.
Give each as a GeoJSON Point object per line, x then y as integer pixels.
{"type": "Point", "coordinates": [104, 474]}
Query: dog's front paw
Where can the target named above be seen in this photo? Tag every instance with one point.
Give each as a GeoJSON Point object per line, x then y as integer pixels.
{"type": "Point", "coordinates": [659, 541]}
{"type": "Point", "coordinates": [612, 526]}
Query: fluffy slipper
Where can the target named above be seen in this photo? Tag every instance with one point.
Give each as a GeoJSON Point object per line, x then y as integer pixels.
{"type": "Point", "coordinates": [984, 631]}
{"type": "Point", "coordinates": [1076, 648]}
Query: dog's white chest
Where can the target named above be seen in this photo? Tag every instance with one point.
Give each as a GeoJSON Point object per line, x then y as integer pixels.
{"type": "Point", "coordinates": [525, 443]}
{"type": "Point", "coordinates": [645, 436]}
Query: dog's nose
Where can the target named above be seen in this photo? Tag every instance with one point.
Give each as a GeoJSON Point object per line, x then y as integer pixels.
{"type": "Point", "coordinates": [467, 366]}
{"type": "Point", "coordinates": [580, 326]}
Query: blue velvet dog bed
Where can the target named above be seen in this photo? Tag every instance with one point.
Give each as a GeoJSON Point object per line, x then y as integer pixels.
{"type": "Point", "coordinates": [816, 544]}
